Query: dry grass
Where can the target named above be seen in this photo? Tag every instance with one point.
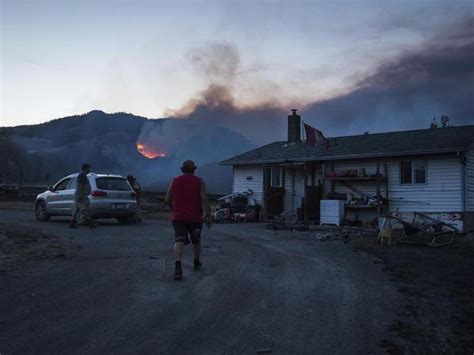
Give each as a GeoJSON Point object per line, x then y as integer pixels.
{"type": "Point", "coordinates": [20, 245]}
{"type": "Point", "coordinates": [437, 288]}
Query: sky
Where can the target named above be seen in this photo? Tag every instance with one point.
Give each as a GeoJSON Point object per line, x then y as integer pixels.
{"type": "Point", "coordinates": [150, 58]}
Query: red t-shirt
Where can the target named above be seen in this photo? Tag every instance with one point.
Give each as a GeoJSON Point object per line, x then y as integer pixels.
{"type": "Point", "coordinates": [187, 204]}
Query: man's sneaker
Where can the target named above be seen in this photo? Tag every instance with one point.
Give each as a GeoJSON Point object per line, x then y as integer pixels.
{"type": "Point", "coordinates": [197, 265]}
{"type": "Point", "coordinates": [178, 272]}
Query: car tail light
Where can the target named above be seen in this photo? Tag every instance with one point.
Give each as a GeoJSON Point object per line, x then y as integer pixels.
{"type": "Point", "coordinates": [98, 193]}
{"type": "Point", "coordinates": [133, 194]}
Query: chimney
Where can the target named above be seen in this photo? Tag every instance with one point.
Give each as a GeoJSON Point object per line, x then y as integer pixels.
{"type": "Point", "coordinates": [294, 128]}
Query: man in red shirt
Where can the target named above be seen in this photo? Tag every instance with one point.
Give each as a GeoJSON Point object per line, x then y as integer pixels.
{"type": "Point", "coordinates": [187, 197]}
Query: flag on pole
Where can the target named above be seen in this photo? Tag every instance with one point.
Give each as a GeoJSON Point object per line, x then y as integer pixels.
{"type": "Point", "coordinates": [315, 137]}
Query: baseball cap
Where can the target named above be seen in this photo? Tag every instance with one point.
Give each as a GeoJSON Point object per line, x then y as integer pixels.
{"type": "Point", "coordinates": [189, 164]}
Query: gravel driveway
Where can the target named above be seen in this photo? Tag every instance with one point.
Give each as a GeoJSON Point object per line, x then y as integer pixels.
{"type": "Point", "coordinates": [259, 291]}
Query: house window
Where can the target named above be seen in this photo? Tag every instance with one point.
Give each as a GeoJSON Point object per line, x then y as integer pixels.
{"type": "Point", "coordinates": [413, 172]}
{"type": "Point", "coordinates": [275, 177]}
{"type": "Point", "coordinates": [406, 172]}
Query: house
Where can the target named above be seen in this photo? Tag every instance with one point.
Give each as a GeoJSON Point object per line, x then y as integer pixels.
{"type": "Point", "coordinates": [427, 170]}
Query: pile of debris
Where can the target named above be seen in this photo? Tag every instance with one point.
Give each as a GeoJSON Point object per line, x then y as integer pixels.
{"type": "Point", "coordinates": [422, 229]}
{"type": "Point", "coordinates": [344, 233]}
{"type": "Point", "coordinates": [237, 207]}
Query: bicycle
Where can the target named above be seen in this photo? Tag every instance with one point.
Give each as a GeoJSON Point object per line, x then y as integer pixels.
{"type": "Point", "coordinates": [288, 218]}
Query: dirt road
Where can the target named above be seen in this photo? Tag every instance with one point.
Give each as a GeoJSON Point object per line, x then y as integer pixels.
{"type": "Point", "coordinates": [258, 291]}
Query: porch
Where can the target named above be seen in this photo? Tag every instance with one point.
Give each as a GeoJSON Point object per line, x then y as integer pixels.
{"type": "Point", "coordinates": [299, 187]}
{"type": "Point", "coordinates": [293, 187]}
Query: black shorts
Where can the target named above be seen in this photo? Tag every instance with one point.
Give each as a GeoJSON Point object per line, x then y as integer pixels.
{"type": "Point", "coordinates": [183, 229]}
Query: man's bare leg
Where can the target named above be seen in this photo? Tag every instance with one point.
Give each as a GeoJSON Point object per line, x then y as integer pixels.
{"type": "Point", "coordinates": [197, 250]}
{"type": "Point", "coordinates": [73, 223]}
{"type": "Point", "coordinates": [178, 253]}
{"type": "Point", "coordinates": [90, 221]}
{"type": "Point", "coordinates": [197, 254]}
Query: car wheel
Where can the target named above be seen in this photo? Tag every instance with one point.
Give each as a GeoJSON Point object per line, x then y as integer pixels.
{"type": "Point", "coordinates": [40, 212]}
{"type": "Point", "coordinates": [81, 218]}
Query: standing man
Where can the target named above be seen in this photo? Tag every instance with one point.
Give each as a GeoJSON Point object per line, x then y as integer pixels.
{"type": "Point", "coordinates": [138, 194]}
{"type": "Point", "coordinates": [81, 197]}
{"type": "Point", "coordinates": [187, 197]}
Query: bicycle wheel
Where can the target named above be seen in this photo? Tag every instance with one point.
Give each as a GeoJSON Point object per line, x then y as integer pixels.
{"type": "Point", "coordinates": [289, 218]}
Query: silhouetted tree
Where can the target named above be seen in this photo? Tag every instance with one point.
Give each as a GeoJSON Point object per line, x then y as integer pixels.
{"type": "Point", "coordinates": [444, 121]}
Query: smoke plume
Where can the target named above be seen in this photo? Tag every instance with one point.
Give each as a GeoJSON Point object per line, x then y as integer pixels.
{"type": "Point", "coordinates": [402, 93]}
{"type": "Point", "coordinates": [407, 92]}
{"type": "Point", "coordinates": [216, 106]}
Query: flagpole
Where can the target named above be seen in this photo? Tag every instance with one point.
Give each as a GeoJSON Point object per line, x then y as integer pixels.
{"type": "Point", "coordinates": [304, 148]}
{"type": "Point", "coordinates": [305, 180]}
{"type": "Point", "coordinates": [304, 145]}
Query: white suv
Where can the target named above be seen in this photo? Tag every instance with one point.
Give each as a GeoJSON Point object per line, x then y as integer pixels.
{"type": "Point", "coordinates": [111, 197]}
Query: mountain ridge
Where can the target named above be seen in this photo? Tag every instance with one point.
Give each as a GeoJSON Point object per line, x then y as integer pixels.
{"type": "Point", "coordinates": [45, 152]}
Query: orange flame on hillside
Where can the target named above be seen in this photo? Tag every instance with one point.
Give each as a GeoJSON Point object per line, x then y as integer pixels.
{"type": "Point", "coordinates": [149, 152]}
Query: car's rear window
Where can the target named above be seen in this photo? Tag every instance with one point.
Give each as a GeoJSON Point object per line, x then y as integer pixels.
{"type": "Point", "coordinates": [111, 183]}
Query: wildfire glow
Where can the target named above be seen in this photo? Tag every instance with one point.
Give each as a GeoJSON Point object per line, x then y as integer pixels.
{"type": "Point", "coordinates": [148, 152]}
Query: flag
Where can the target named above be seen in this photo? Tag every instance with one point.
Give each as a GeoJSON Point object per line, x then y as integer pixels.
{"type": "Point", "coordinates": [310, 134]}
{"type": "Point", "coordinates": [315, 137]}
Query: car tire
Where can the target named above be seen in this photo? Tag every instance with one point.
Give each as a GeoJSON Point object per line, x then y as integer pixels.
{"type": "Point", "coordinates": [40, 212]}
{"type": "Point", "coordinates": [81, 218]}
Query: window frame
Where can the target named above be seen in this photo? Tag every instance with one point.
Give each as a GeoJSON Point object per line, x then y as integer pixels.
{"type": "Point", "coordinates": [280, 182]}
{"type": "Point", "coordinates": [60, 182]}
{"type": "Point", "coordinates": [72, 183]}
{"type": "Point", "coordinates": [413, 172]}
{"type": "Point", "coordinates": [98, 183]}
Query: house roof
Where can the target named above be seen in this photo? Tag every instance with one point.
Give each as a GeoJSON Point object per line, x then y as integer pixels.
{"type": "Point", "coordinates": [415, 142]}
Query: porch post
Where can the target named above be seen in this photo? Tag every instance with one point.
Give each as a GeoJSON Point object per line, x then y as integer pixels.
{"type": "Point", "coordinates": [264, 197]}
{"type": "Point", "coordinates": [378, 181]}
{"type": "Point", "coordinates": [323, 180]}
{"type": "Point", "coordinates": [306, 216]}
{"type": "Point", "coordinates": [293, 190]}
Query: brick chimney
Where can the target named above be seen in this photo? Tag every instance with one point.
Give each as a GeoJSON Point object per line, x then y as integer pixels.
{"type": "Point", "coordinates": [294, 128]}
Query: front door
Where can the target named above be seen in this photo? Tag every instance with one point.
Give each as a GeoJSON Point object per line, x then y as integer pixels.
{"type": "Point", "coordinates": [275, 200]}
{"type": "Point", "coordinates": [314, 195]}
{"type": "Point", "coordinates": [299, 189]}
{"type": "Point", "coordinates": [274, 192]}
{"type": "Point", "coordinates": [55, 201]}
{"type": "Point", "coordinates": [69, 197]}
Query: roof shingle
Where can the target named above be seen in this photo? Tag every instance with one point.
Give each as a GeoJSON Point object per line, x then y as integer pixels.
{"type": "Point", "coordinates": [424, 141]}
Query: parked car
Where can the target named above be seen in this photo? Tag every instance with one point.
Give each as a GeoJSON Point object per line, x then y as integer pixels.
{"type": "Point", "coordinates": [111, 197]}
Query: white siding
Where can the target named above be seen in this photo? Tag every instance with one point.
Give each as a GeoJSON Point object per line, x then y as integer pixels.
{"type": "Point", "coordinates": [288, 184]}
{"type": "Point", "coordinates": [241, 182]}
{"type": "Point", "coordinates": [441, 193]}
{"type": "Point", "coordinates": [469, 179]}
